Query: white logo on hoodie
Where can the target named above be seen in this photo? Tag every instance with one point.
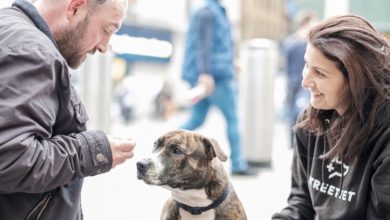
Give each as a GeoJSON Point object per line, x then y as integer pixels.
{"type": "Point", "coordinates": [337, 168]}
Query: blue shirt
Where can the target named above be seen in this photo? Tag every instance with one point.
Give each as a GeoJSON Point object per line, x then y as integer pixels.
{"type": "Point", "coordinates": [295, 49]}
{"type": "Point", "coordinates": [209, 46]}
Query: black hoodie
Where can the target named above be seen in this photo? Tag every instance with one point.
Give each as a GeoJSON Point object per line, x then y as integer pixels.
{"type": "Point", "coordinates": [330, 189]}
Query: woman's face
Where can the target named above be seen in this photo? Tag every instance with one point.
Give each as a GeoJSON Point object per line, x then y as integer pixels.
{"type": "Point", "coordinates": [324, 80]}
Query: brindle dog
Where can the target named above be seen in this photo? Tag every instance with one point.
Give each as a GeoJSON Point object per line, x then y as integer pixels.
{"type": "Point", "coordinates": [189, 165]}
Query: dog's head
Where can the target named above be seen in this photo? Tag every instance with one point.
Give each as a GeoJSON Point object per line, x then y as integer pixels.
{"type": "Point", "coordinates": [181, 159]}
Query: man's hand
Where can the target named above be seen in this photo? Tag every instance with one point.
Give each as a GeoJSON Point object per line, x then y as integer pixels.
{"type": "Point", "coordinates": [208, 81]}
{"type": "Point", "coordinates": [121, 149]}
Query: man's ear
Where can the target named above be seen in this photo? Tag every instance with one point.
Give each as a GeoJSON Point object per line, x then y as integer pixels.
{"type": "Point", "coordinates": [75, 6]}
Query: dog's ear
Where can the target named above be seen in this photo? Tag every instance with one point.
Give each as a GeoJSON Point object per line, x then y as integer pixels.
{"type": "Point", "coordinates": [158, 144]}
{"type": "Point", "coordinates": [214, 150]}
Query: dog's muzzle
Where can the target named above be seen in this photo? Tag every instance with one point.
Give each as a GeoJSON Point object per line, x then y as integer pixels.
{"type": "Point", "coordinates": [142, 167]}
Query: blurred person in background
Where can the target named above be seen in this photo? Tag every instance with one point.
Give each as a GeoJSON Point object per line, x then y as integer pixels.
{"type": "Point", "coordinates": [341, 163]}
{"type": "Point", "coordinates": [208, 65]}
{"type": "Point", "coordinates": [45, 149]}
{"type": "Point", "coordinates": [294, 47]}
{"type": "Point", "coordinates": [164, 105]}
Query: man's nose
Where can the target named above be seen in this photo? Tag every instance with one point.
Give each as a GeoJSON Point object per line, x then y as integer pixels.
{"type": "Point", "coordinates": [103, 45]}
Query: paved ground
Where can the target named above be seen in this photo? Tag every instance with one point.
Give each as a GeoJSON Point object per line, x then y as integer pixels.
{"type": "Point", "coordinates": [119, 195]}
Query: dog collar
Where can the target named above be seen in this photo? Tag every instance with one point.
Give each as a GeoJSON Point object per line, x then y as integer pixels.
{"type": "Point", "coordinates": [199, 210]}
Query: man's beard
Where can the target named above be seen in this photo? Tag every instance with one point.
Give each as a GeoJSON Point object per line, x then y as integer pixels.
{"type": "Point", "coordinates": [70, 43]}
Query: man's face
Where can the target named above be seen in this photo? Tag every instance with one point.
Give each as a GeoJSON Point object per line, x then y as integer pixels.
{"type": "Point", "coordinates": [70, 43]}
{"type": "Point", "coordinates": [91, 33]}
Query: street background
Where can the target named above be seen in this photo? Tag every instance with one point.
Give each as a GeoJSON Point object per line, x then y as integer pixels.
{"type": "Point", "coordinates": [119, 195]}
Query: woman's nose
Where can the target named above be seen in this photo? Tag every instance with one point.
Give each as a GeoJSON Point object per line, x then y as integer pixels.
{"type": "Point", "coordinates": [306, 80]}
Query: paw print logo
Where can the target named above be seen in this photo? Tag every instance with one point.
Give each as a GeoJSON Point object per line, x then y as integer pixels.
{"type": "Point", "coordinates": [337, 168]}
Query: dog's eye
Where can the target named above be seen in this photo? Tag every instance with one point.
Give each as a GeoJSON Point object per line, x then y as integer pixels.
{"type": "Point", "coordinates": [177, 150]}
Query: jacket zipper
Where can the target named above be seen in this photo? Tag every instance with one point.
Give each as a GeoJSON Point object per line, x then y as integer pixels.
{"type": "Point", "coordinates": [37, 211]}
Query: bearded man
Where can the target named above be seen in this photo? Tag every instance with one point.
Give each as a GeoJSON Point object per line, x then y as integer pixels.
{"type": "Point", "coordinates": [45, 148]}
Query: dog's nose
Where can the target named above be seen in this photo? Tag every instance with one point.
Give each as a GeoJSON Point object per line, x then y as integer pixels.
{"type": "Point", "coordinates": [141, 166]}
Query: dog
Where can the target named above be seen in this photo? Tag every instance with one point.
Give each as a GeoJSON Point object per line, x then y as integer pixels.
{"type": "Point", "coordinates": [189, 165]}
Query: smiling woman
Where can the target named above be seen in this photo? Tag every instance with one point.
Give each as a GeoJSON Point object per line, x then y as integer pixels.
{"type": "Point", "coordinates": [342, 140]}
{"type": "Point", "coordinates": [324, 80]}
{"type": "Point", "coordinates": [357, 60]}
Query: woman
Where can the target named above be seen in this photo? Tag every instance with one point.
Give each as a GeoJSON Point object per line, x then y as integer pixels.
{"type": "Point", "coordinates": [341, 164]}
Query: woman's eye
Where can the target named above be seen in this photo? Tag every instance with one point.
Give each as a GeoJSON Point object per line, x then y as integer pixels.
{"type": "Point", "coordinates": [319, 73]}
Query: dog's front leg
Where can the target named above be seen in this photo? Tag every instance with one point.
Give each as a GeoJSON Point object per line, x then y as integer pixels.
{"type": "Point", "coordinates": [170, 211]}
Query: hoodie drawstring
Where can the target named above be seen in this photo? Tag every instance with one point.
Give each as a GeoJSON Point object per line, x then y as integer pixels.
{"type": "Point", "coordinates": [342, 173]}
{"type": "Point", "coordinates": [327, 123]}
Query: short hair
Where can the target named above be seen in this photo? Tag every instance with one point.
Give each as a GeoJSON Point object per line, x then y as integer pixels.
{"type": "Point", "coordinates": [94, 4]}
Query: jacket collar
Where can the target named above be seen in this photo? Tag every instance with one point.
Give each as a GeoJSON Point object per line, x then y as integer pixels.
{"type": "Point", "coordinates": [35, 17]}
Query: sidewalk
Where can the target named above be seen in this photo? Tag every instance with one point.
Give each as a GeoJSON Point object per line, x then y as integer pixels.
{"type": "Point", "coordinates": [119, 195]}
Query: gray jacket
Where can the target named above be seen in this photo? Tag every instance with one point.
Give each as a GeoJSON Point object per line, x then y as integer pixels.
{"type": "Point", "coordinates": [45, 150]}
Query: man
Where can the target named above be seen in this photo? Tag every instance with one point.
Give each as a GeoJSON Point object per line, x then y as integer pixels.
{"type": "Point", "coordinates": [209, 63]}
{"type": "Point", "coordinates": [45, 149]}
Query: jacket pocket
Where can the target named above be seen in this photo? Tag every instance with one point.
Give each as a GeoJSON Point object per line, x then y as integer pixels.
{"type": "Point", "coordinates": [40, 207]}
{"type": "Point", "coordinates": [78, 108]}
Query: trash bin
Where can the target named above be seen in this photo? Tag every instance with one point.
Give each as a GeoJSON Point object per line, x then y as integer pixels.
{"type": "Point", "coordinates": [259, 66]}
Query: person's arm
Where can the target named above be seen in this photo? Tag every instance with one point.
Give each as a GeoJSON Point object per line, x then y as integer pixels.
{"type": "Point", "coordinates": [299, 202]}
{"type": "Point", "coordinates": [32, 158]}
{"type": "Point", "coordinates": [379, 198]}
{"type": "Point", "coordinates": [204, 28]}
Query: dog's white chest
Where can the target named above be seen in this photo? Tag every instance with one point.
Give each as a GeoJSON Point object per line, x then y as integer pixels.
{"type": "Point", "coordinates": [194, 198]}
{"type": "Point", "coordinates": [209, 215]}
